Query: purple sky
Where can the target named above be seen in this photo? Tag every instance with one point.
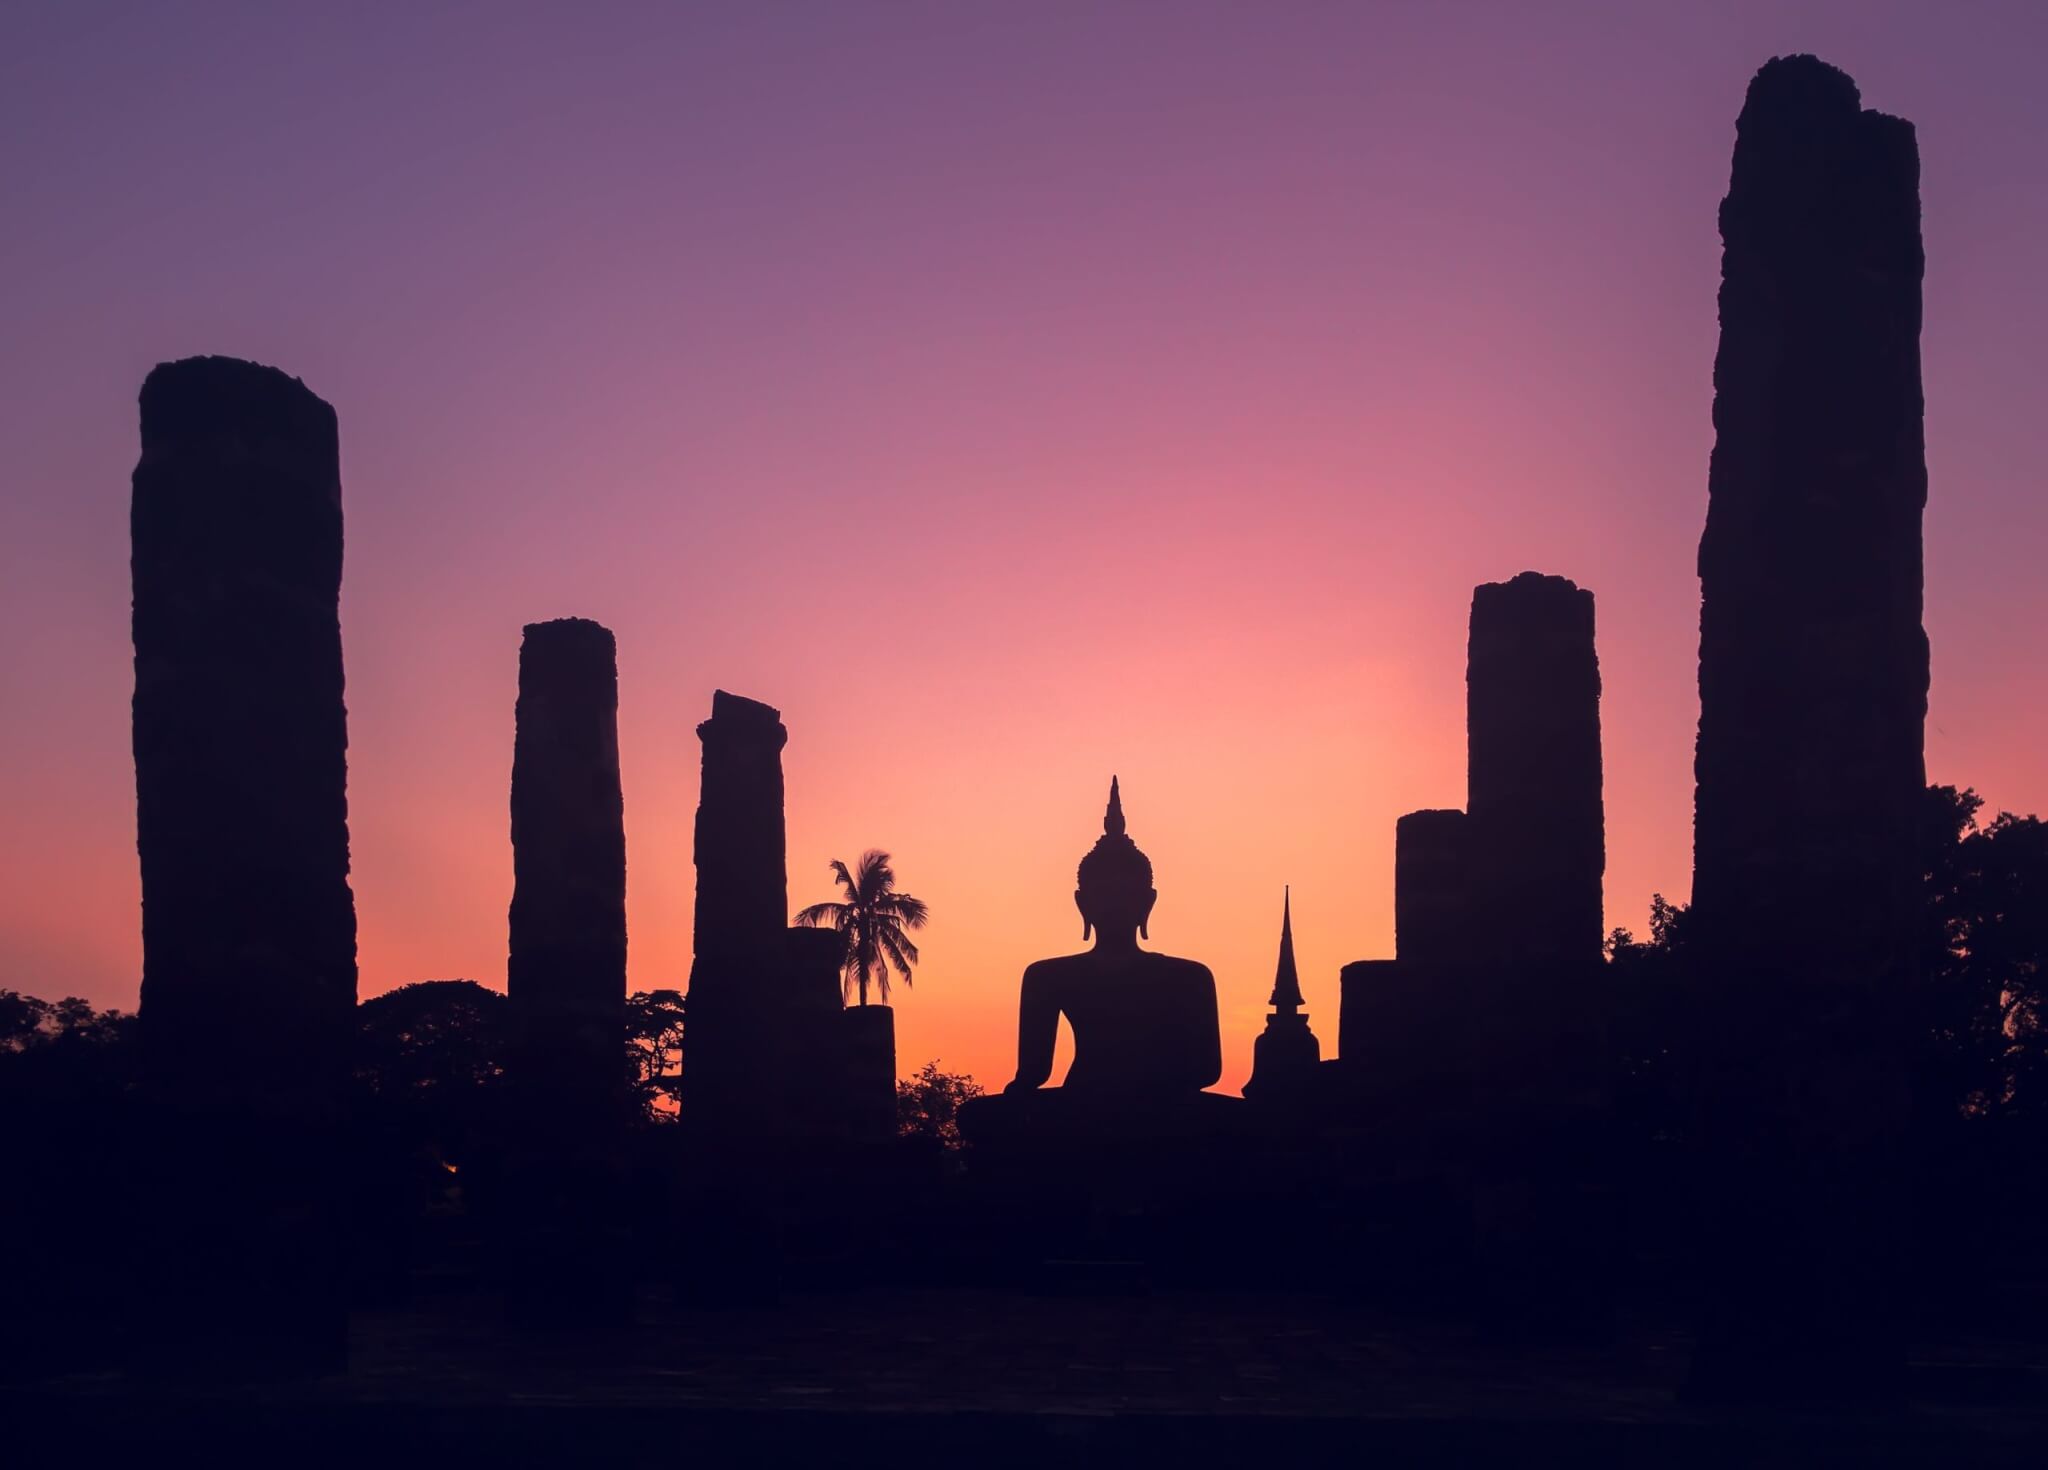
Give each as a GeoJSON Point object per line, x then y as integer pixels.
{"type": "Point", "coordinates": [1011, 393]}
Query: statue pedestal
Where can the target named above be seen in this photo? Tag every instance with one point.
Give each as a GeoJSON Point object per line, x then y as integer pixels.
{"type": "Point", "coordinates": [1069, 1121]}
{"type": "Point", "coordinates": [1068, 1177]}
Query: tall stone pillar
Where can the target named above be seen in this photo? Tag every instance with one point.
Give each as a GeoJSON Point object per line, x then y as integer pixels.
{"type": "Point", "coordinates": [742, 863]}
{"type": "Point", "coordinates": [1532, 717]}
{"type": "Point", "coordinates": [566, 972]}
{"type": "Point", "coordinates": [1536, 834]}
{"type": "Point", "coordinates": [248, 924]}
{"type": "Point", "coordinates": [565, 978]}
{"type": "Point", "coordinates": [1813, 698]}
{"type": "Point", "coordinates": [742, 913]}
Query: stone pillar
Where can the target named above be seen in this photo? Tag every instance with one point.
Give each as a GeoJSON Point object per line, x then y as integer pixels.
{"type": "Point", "coordinates": [1813, 697]}
{"type": "Point", "coordinates": [742, 913]}
{"type": "Point", "coordinates": [806, 1042]}
{"type": "Point", "coordinates": [742, 865]}
{"type": "Point", "coordinates": [870, 1061]}
{"type": "Point", "coordinates": [248, 924]}
{"type": "Point", "coordinates": [1392, 1015]}
{"type": "Point", "coordinates": [1366, 1015]}
{"type": "Point", "coordinates": [1537, 835]}
{"type": "Point", "coordinates": [1432, 889]}
{"type": "Point", "coordinates": [565, 977]}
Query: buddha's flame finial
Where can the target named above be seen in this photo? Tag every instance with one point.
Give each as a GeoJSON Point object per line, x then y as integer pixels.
{"type": "Point", "coordinates": [1113, 819]}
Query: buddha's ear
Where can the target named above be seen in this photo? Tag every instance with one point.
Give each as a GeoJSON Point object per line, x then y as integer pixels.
{"type": "Point", "coordinates": [1086, 928]}
{"type": "Point", "coordinates": [1151, 897]}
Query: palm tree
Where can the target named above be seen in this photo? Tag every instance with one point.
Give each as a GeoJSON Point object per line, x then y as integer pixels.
{"type": "Point", "coordinates": [874, 919]}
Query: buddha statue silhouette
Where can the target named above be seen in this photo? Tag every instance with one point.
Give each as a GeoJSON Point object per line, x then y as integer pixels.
{"type": "Point", "coordinates": [1144, 1023]}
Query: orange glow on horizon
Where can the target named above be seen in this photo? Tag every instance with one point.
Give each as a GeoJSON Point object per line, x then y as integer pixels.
{"type": "Point", "coordinates": [1009, 397]}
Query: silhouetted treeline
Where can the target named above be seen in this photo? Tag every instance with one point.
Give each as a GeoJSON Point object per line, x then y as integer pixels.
{"type": "Point", "coordinates": [1978, 1019]}
{"type": "Point", "coordinates": [1981, 1010]}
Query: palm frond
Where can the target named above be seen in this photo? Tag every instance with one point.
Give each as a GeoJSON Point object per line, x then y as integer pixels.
{"type": "Point", "coordinates": [876, 876]}
{"type": "Point", "coordinates": [873, 920]}
{"type": "Point", "coordinates": [825, 915]}
{"type": "Point", "coordinates": [893, 945]}
{"type": "Point", "coordinates": [911, 911]}
{"type": "Point", "coordinates": [899, 943]}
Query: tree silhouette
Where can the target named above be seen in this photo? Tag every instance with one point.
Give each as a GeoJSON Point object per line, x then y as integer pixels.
{"type": "Point", "coordinates": [928, 1104]}
{"type": "Point", "coordinates": [654, 1038]}
{"type": "Point", "coordinates": [63, 1053]}
{"type": "Point", "coordinates": [874, 920]}
{"type": "Point", "coordinates": [1982, 1001]}
{"type": "Point", "coordinates": [429, 1069]}
{"type": "Point", "coordinates": [426, 1040]}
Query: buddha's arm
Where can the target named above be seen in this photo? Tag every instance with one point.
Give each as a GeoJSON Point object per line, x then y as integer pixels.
{"type": "Point", "coordinates": [1038, 1021]}
{"type": "Point", "coordinates": [1205, 1047]}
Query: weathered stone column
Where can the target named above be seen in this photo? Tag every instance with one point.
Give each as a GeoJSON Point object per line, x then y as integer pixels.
{"type": "Point", "coordinates": [742, 913]}
{"type": "Point", "coordinates": [1535, 840]}
{"type": "Point", "coordinates": [868, 1042]}
{"type": "Point", "coordinates": [248, 924]}
{"type": "Point", "coordinates": [1536, 831]}
{"type": "Point", "coordinates": [565, 978]}
{"type": "Point", "coordinates": [742, 865]}
{"type": "Point", "coordinates": [1398, 1022]}
{"type": "Point", "coordinates": [1813, 698]}
{"type": "Point", "coordinates": [806, 1038]}
{"type": "Point", "coordinates": [1432, 888]}
{"type": "Point", "coordinates": [566, 973]}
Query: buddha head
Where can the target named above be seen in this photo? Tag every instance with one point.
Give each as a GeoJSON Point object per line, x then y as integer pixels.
{"type": "Point", "coordinates": [1114, 887]}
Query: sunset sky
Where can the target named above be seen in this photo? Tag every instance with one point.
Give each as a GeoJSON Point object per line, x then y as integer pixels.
{"type": "Point", "coordinates": [1012, 394]}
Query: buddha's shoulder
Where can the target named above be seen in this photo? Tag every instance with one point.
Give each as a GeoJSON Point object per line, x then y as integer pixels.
{"type": "Point", "coordinates": [1180, 969]}
{"type": "Point", "coordinates": [1057, 966]}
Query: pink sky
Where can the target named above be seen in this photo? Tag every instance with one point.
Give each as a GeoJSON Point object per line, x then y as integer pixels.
{"type": "Point", "coordinates": [1012, 394]}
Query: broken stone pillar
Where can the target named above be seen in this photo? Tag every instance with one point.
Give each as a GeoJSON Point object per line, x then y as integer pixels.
{"type": "Point", "coordinates": [565, 977]}
{"type": "Point", "coordinates": [1535, 841]}
{"type": "Point", "coordinates": [742, 914]}
{"type": "Point", "coordinates": [1367, 1015]}
{"type": "Point", "coordinates": [1397, 1023]}
{"type": "Point", "coordinates": [248, 924]}
{"type": "Point", "coordinates": [869, 1041]}
{"type": "Point", "coordinates": [1533, 1015]}
{"type": "Point", "coordinates": [806, 1037]}
{"type": "Point", "coordinates": [1537, 832]}
{"type": "Point", "coordinates": [1432, 889]}
{"type": "Point", "coordinates": [1813, 697]}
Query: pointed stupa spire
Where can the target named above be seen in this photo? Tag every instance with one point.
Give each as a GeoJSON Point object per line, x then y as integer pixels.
{"type": "Point", "coordinates": [1286, 983]}
{"type": "Point", "coordinates": [1286, 1054]}
{"type": "Point", "coordinates": [1113, 819]}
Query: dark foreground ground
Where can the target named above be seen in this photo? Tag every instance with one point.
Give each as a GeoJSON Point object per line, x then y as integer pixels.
{"type": "Point", "coordinates": [997, 1378]}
